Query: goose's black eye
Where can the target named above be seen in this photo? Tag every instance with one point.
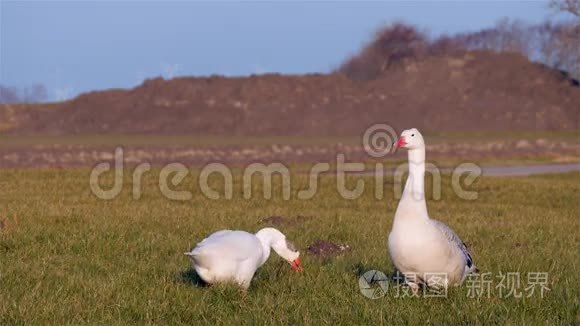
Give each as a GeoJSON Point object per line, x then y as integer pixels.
{"type": "Point", "coordinates": [412, 135]}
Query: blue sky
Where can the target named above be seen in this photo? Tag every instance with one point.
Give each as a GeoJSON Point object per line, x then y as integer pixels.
{"type": "Point", "coordinates": [72, 47]}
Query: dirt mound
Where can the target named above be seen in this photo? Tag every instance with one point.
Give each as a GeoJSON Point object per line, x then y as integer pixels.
{"type": "Point", "coordinates": [323, 248]}
{"type": "Point", "coordinates": [276, 220]}
{"type": "Point", "coordinates": [478, 90]}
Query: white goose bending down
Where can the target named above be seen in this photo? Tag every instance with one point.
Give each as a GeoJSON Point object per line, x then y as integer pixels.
{"type": "Point", "coordinates": [234, 256]}
{"type": "Point", "coordinates": [426, 251]}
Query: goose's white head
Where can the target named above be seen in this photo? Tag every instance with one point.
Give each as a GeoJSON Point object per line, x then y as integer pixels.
{"type": "Point", "coordinates": [286, 249]}
{"type": "Point", "coordinates": [410, 139]}
{"type": "Point", "coordinates": [282, 246]}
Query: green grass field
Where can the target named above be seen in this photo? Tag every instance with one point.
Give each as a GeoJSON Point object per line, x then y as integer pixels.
{"type": "Point", "coordinates": [68, 257]}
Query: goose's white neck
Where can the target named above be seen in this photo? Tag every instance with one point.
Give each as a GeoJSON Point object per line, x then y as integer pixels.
{"type": "Point", "coordinates": [267, 237]}
{"type": "Point", "coordinates": [412, 203]}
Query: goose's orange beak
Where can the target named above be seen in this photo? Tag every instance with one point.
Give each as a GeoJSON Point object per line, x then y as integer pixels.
{"type": "Point", "coordinates": [296, 266]}
{"type": "Point", "coordinates": [401, 142]}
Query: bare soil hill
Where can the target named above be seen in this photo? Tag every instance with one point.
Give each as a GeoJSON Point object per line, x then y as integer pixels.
{"type": "Point", "coordinates": [475, 90]}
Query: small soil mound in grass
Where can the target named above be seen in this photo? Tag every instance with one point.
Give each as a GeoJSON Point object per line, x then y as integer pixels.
{"type": "Point", "coordinates": [323, 248]}
{"type": "Point", "coordinates": [276, 220]}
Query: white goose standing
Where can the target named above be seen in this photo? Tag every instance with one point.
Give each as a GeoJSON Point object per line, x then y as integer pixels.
{"type": "Point", "coordinates": [234, 256]}
{"type": "Point", "coordinates": [426, 251]}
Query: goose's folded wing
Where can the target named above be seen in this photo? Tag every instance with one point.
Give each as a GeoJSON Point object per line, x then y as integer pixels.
{"type": "Point", "coordinates": [454, 240]}
{"type": "Point", "coordinates": [227, 244]}
{"type": "Point", "coordinates": [214, 237]}
{"type": "Point", "coordinates": [209, 244]}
